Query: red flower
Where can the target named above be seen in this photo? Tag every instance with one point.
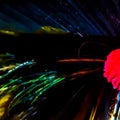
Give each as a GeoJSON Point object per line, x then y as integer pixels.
{"type": "Point", "coordinates": [112, 68]}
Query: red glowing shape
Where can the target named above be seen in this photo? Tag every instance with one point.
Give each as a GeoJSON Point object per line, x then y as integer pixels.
{"type": "Point", "coordinates": [112, 68]}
